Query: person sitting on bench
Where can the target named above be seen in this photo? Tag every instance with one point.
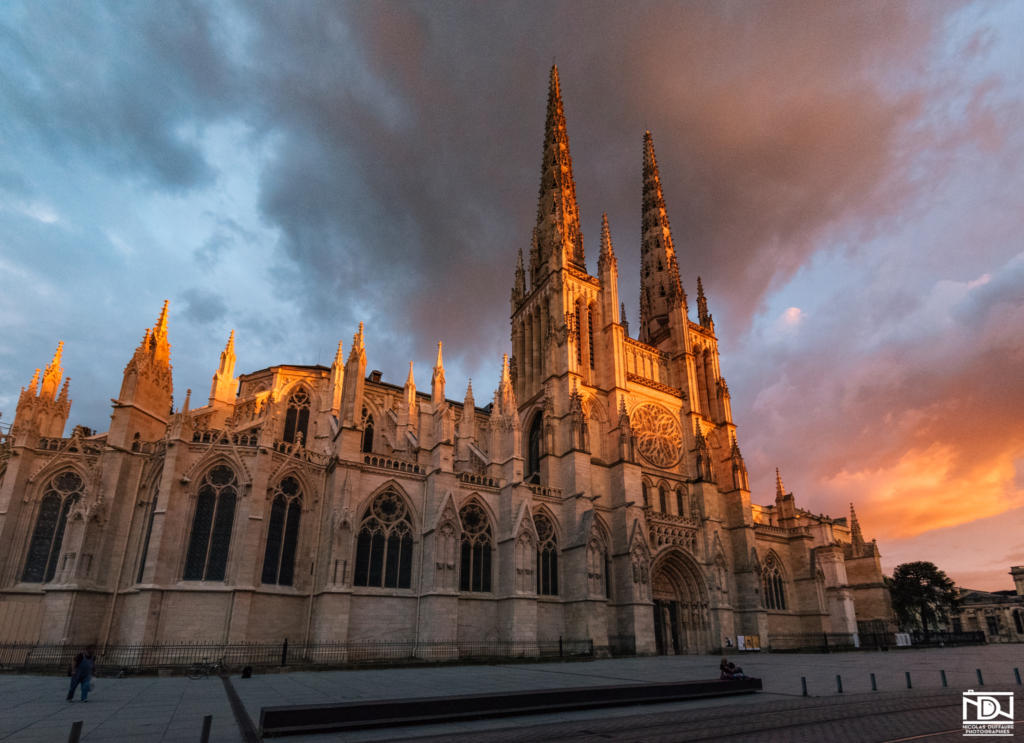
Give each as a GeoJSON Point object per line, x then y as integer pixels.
{"type": "Point", "coordinates": [730, 671]}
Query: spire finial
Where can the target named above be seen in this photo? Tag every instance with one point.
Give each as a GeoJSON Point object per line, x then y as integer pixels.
{"type": "Point", "coordinates": [161, 322]}
{"type": "Point", "coordinates": [409, 381]}
{"type": "Point", "coordinates": [607, 255]}
{"type": "Point", "coordinates": [855, 533]}
{"type": "Point", "coordinates": [469, 390]}
{"type": "Point", "coordinates": [64, 390]}
{"type": "Point", "coordinates": [52, 374]}
{"type": "Point", "coordinates": [558, 234]}
{"type": "Point", "coordinates": [34, 384]}
{"type": "Point", "coordinates": [339, 356]}
{"type": "Point", "coordinates": [662, 288]}
{"type": "Point", "coordinates": [780, 489]}
{"type": "Point", "coordinates": [704, 317]}
{"type": "Point", "coordinates": [358, 347]}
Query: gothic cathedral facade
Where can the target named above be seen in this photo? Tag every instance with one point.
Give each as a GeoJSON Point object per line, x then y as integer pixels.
{"type": "Point", "coordinates": [601, 495]}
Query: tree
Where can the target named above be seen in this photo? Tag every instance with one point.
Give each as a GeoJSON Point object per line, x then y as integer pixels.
{"type": "Point", "coordinates": [922, 595]}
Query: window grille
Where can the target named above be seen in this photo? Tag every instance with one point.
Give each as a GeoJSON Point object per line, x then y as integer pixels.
{"type": "Point", "coordinates": [62, 492]}
{"type": "Point", "coordinates": [283, 533]}
{"type": "Point", "coordinates": [296, 420]}
{"type": "Point", "coordinates": [384, 547]}
{"type": "Point", "coordinates": [547, 556]}
{"type": "Point", "coordinates": [477, 543]}
{"type": "Point", "coordinates": [773, 589]}
{"type": "Point", "coordinates": [208, 546]}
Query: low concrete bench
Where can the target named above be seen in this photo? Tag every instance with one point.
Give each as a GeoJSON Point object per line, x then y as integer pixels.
{"type": "Point", "coordinates": [325, 718]}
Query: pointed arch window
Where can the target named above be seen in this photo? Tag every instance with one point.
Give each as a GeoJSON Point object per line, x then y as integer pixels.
{"type": "Point", "coordinates": [1018, 621]}
{"type": "Point", "coordinates": [662, 499]}
{"type": "Point", "coordinates": [773, 588]}
{"type": "Point", "coordinates": [283, 533]}
{"type": "Point", "coordinates": [150, 518]}
{"type": "Point", "coordinates": [63, 491]}
{"type": "Point", "coordinates": [646, 495]}
{"type": "Point", "coordinates": [598, 567]}
{"type": "Point", "coordinates": [477, 546]}
{"type": "Point", "coordinates": [212, 523]}
{"type": "Point", "coordinates": [680, 502]}
{"type": "Point", "coordinates": [384, 546]}
{"type": "Point", "coordinates": [590, 333]}
{"type": "Point", "coordinates": [296, 419]}
{"type": "Point", "coordinates": [547, 556]}
{"type": "Point", "coordinates": [534, 449]}
{"type": "Point", "coordinates": [367, 447]}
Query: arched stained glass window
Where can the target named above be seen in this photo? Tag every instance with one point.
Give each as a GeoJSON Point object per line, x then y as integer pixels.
{"type": "Point", "coordinates": [662, 499]}
{"type": "Point", "coordinates": [207, 557]}
{"type": "Point", "coordinates": [384, 546]}
{"type": "Point", "coordinates": [367, 433]}
{"type": "Point", "coordinates": [477, 544]}
{"type": "Point", "coordinates": [547, 556]}
{"type": "Point", "coordinates": [62, 492]}
{"type": "Point", "coordinates": [296, 420]}
{"type": "Point", "coordinates": [773, 589]}
{"type": "Point", "coordinates": [680, 502]}
{"type": "Point", "coordinates": [283, 533]}
{"type": "Point", "coordinates": [534, 449]}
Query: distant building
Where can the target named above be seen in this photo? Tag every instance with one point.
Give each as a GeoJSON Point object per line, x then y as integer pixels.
{"type": "Point", "coordinates": [601, 495]}
{"type": "Point", "coordinates": [999, 614]}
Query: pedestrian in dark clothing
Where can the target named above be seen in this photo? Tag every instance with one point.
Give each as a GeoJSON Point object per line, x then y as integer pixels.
{"type": "Point", "coordinates": [81, 673]}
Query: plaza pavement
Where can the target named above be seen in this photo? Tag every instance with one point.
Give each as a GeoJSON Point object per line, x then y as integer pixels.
{"type": "Point", "coordinates": [32, 708]}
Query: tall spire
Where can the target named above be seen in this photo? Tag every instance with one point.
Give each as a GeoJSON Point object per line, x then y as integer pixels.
{"type": "Point", "coordinates": [504, 396]}
{"type": "Point", "coordinates": [224, 386]}
{"type": "Point", "coordinates": [358, 347]}
{"type": "Point", "coordinates": [780, 489]}
{"type": "Point", "coordinates": [856, 536]}
{"type": "Point", "coordinates": [607, 256]}
{"type": "Point", "coordinates": [337, 380]}
{"type": "Point", "coordinates": [519, 286]}
{"type": "Point", "coordinates": [52, 375]}
{"type": "Point", "coordinates": [437, 380]}
{"type": "Point", "coordinates": [703, 315]}
{"type": "Point", "coordinates": [661, 288]}
{"type": "Point", "coordinates": [558, 235]}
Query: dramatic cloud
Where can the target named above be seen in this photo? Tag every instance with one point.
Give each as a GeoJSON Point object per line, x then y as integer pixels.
{"type": "Point", "coordinates": [845, 177]}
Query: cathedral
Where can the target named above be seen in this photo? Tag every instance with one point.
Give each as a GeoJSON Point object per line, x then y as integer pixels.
{"type": "Point", "coordinates": [600, 495]}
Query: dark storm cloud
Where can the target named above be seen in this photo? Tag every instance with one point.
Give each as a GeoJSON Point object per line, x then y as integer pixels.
{"type": "Point", "coordinates": [121, 85]}
{"type": "Point", "coordinates": [203, 307]}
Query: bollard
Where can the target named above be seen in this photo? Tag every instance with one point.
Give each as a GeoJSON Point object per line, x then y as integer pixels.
{"type": "Point", "coordinates": [803, 684]}
{"type": "Point", "coordinates": [839, 684]}
{"type": "Point", "coordinates": [204, 737]}
{"type": "Point", "coordinates": [874, 684]}
{"type": "Point", "coordinates": [981, 681]}
{"type": "Point", "coordinates": [944, 684]}
{"type": "Point", "coordinates": [909, 685]}
{"type": "Point", "coordinates": [76, 732]}
{"type": "Point", "coordinates": [559, 646]}
{"type": "Point", "coordinates": [284, 652]}
{"type": "Point", "coordinates": [1016, 672]}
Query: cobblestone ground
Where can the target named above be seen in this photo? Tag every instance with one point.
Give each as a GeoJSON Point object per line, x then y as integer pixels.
{"type": "Point", "coordinates": [33, 710]}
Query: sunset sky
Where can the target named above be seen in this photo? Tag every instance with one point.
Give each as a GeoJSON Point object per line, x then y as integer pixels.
{"type": "Point", "coordinates": [846, 177]}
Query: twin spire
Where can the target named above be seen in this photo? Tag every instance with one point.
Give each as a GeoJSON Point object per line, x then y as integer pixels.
{"type": "Point", "coordinates": [557, 237]}
{"type": "Point", "coordinates": [558, 240]}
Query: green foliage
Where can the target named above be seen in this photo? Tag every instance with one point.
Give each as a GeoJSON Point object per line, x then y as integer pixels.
{"type": "Point", "coordinates": [922, 595]}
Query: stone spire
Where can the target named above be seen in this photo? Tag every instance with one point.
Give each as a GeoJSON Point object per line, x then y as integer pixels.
{"type": "Point", "coordinates": [608, 274]}
{"type": "Point", "coordinates": [52, 375]}
{"type": "Point", "coordinates": [33, 385]}
{"type": "Point", "coordinates": [780, 489]}
{"type": "Point", "coordinates": [467, 424]}
{"type": "Point", "coordinates": [409, 391]}
{"type": "Point", "coordinates": [856, 536]}
{"type": "Point", "coordinates": [150, 366]}
{"type": "Point", "coordinates": [504, 396]}
{"type": "Point", "coordinates": [661, 289]}
{"type": "Point", "coordinates": [519, 287]}
{"type": "Point", "coordinates": [437, 380]}
{"type": "Point", "coordinates": [623, 319]}
{"type": "Point", "coordinates": [558, 235]}
{"type": "Point", "coordinates": [62, 398]}
{"type": "Point", "coordinates": [740, 480]}
{"type": "Point", "coordinates": [224, 387]}
{"type": "Point", "coordinates": [353, 383]}
{"type": "Point", "coordinates": [337, 379]}
{"type": "Point", "coordinates": [704, 317]}
{"type": "Point", "coordinates": [607, 256]}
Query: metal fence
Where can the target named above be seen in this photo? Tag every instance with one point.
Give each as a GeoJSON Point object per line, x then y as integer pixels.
{"type": "Point", "coordinates": [826, 642]}
{"type": "Point", "coordinates": [142, 658]}
{"type": "Point", "coordinates": [812, 641]}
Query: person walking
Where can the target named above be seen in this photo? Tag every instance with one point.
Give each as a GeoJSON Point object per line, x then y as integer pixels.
{"type": "Point", "coordinates": [81, 673]}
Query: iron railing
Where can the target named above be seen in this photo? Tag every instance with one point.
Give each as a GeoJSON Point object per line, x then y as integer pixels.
{"type": "Point", "coordinates": [143, 658]}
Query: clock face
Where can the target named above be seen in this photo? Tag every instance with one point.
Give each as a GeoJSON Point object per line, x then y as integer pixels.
{"type": "Point", "coordinates": [658, 437]}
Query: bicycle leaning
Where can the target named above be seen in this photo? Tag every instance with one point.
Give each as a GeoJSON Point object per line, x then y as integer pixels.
{"type": "Point", "coordinates": [205, 668]}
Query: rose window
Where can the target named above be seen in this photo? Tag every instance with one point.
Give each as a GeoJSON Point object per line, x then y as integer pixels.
{"type": "Point", "coordinates": [657, 435]}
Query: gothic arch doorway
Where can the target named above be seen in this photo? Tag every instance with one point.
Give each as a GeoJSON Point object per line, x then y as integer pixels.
{"type": "Point", "coordinates": [681, 623]}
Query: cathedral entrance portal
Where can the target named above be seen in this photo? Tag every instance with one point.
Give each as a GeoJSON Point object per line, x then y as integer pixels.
{"type": "Point", "coordinates": [680, 606]}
